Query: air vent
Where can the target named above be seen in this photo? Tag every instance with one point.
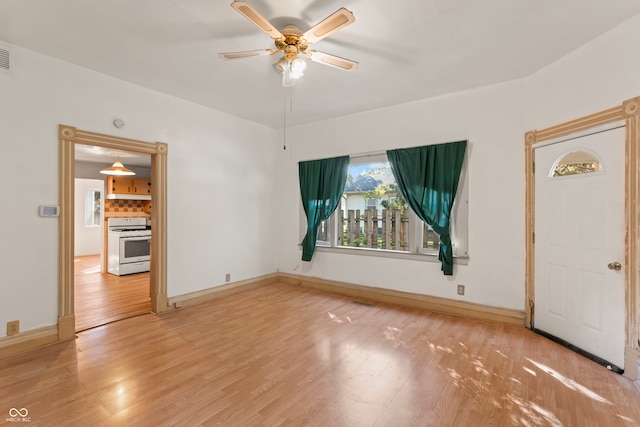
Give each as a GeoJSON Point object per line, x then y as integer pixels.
{"type": "Point", "coordinates": [366, 304]}
{"type": "Point", "coordinates": [5, 60]}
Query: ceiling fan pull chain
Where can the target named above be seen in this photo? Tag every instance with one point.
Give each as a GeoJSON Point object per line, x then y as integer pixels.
{"type": "Point", "coordinates": [286, 90]}
{"type": "Point", "coordinates": [284, 117]}
{"type": "Point", "coordinates": [291, 100]}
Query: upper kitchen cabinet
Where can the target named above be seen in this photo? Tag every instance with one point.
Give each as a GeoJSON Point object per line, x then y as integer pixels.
{"type": "Point", "coordinates": [131, 187]}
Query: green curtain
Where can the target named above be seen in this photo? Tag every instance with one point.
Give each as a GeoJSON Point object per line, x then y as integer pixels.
{"type": "Point", "coordinates": [322, 183]}
{"type": "Point", "coordinates": [428, 179]}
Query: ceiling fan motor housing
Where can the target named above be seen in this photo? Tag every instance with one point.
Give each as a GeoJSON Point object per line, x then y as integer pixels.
{"type": "Point", "coordinates": [292, 44]}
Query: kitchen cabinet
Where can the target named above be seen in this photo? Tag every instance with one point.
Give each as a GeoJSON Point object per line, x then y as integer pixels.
{"type": "Point", "coordinates": [127, 185]}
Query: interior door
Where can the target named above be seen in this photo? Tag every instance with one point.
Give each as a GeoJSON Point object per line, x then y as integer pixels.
{"type": "Point", "coordinates": [579, 244]}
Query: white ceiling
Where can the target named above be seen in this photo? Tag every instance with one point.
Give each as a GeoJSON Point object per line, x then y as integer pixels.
{"type": "Point", "coordinates": [407, 50]}
{"type": "Point", "coordinates": [94, 154]}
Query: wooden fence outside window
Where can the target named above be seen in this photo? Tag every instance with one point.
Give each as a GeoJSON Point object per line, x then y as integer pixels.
{"type": "Point", "coordinates": [384, 229]}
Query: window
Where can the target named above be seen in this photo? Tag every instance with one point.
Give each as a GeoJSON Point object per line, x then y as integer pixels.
{"type": "Point", "coordinates": [373, 217]}
{"type": "Point", "coordinates": [371, 203]}
{"type": "Point", "coordinates": [92, 208]}
{"type": "Point", "coordinates": [576, 162]}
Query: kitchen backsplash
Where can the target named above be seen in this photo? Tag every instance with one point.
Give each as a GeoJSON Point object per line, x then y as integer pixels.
{"type": "Point", "coordinates": [119, 206]}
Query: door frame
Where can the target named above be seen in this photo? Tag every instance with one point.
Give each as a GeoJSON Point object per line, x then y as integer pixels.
{"type": "Point", "coordinates": [629, 112]}
{"type": "Point", "coordinates": [68, 136]}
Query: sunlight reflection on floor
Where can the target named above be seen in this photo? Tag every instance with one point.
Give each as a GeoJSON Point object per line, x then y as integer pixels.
{"type": "Point", "coordinates": [569, 383]}
{"type": "Point", "coordinates": [522, 411]}
{"type": "Point", "coordinates": [337, 319]}
{"type": "Point", "coordinates": [532, 414]}
{"type": "Point", "coordinates": [91, 270]}
{"type": "Point", "coordinates": [374, 371]}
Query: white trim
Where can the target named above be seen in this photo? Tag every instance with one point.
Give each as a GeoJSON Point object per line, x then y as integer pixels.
{"type": "Point", "coordinates": [383, 253]}
{"type": "Point", "coordinates": [128, 197]}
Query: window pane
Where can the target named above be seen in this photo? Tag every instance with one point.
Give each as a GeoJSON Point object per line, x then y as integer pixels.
{"type": "Point", "coordinates": [371, 203]}
{"type": "Point", "coordinates": [373, 214]}
{"type": "Point", "coordinates": [92, 208]}
{"type": "Point", "coordinates": [323, 232]}
{"type": "Point", "coordinates": [430, 240]}
{"type": "Point", "coordinates": [576, 162]}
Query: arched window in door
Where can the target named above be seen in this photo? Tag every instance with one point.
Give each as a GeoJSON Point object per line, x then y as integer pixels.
{"type": "Point", "coordinates": [576, 163]}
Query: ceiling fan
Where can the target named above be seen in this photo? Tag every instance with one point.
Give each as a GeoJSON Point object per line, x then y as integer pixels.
{"type": "Point", "coordinates": [292, 42]}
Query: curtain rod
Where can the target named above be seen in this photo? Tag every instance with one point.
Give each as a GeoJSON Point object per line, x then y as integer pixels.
{"type": "Point", "coordinates": [376, 153]}
{"type": "Point", "coordinates": [366, 154]}
{"type": "Point", "coordinates": [369, 153]}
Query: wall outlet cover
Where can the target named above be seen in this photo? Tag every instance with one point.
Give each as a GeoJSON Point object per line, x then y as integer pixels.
{"type": "Point", "coordinates": [13, 327]}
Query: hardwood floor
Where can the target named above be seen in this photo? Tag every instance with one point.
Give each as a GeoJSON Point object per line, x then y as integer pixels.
{"type": "Point", "coordinates": [102, 298]}
{"type": "Point", "coordinates": [284, 355]}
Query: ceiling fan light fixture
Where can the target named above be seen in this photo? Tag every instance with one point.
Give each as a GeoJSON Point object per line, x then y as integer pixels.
{"type": "Point", "coordinates": [280, 65]}
{"type": "Point", "coordinates": [117, 169]}
{"type": "Point", "coordinates": [287, 80]}
{"type": "Point", "coordinates": [297, 68]}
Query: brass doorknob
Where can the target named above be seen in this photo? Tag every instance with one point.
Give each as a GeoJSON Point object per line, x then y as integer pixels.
{"type": "Point", "coordinates": [614, 266]}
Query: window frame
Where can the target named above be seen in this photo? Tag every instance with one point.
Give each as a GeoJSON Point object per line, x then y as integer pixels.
{"type": "Point", "coordinates": [459, 225]}
{"type": "Point", "coordinates": [90, 206]}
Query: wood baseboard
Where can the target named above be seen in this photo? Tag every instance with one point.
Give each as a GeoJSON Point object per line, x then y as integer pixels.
{"type": "Point", "coordinates": [159, 304]}
{"type": "Point", "coordinates": [406, 299]}
{"type": "Point", "coordinates": [632, 364]}
{"type": "Point", "coordinates": [198, 297]}
{"type": "Point", "coordinates": [66, 326]}
{"type": "Point", "coordinates": [28, 340]}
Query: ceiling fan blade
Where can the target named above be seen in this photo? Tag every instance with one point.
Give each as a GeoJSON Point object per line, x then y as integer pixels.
{"type": "Point", "coordinates": [230, 56]}
{"type": "Point", "coordinates": [252, 15]}
{"type": "Point", "coordinates": [337, 20]}
{"type": "Point", "coordinates": [332, 60]}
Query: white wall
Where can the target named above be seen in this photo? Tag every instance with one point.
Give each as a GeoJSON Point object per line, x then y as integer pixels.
{"type": "Point", "coordinates": [599, 75]}
{"type": "Point", "coordinates": [491, 119]}
{"type": "Point", "coordinates": [221, 174]}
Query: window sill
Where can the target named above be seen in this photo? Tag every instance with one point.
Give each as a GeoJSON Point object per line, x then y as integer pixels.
{"type": "Point", "coordinates": [424, 257]}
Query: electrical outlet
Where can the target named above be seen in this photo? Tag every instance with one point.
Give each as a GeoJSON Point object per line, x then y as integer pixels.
{"type": "Point", "coordinates": [13, 327]}
{"type": "Point", "coordinates": [460, 289]}
{"type": "Point", "coordinates": [227, 277]}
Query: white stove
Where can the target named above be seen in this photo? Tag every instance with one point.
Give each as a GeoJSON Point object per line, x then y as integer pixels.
{"type": "Point", "coordinates": [128, 246]}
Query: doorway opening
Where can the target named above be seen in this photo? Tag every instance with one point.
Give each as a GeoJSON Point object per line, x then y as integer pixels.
{"type": "Point", "coordinates": [68, 138]}
{"type": "Point", "coordinates": [102, 295]}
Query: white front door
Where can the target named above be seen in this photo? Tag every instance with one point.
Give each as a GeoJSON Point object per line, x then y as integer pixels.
{"type": "Point", "coordinates": [579, 231]}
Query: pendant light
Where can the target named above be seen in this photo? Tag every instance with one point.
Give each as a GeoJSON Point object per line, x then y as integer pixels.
{"type": "Point", "coordinates": [117, 169]}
